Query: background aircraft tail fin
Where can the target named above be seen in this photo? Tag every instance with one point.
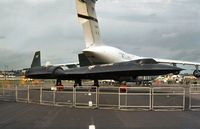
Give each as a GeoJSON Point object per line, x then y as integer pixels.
{"type": "Point", "coordinates": [87, 17]}
{"type": "Point", "coordinates": [36, 60]}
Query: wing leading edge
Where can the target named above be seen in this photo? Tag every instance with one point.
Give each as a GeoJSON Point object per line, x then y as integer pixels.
{"type": "Point", "coordinates": [196, 64]}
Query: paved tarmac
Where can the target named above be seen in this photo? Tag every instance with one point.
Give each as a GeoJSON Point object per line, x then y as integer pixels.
{"type": "Point", "coordinates": [32, 116]}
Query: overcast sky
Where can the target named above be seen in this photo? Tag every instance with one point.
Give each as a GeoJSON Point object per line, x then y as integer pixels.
{"type": "Point", "coordinates": [160, 28]}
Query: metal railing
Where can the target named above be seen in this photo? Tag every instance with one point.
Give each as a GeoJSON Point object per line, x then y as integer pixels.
{"type": "Point", "coordinates": [8, 93]}
{"type": "Point", "coordinates": [123, 98]}
{"type": "Point", "coordinates": [22, 94]}
{"type": "Point", "coordinates": [86, 96]}
{"type": "Point", "coordinates": [168, 98]}
{"type": "Point", "coordinates": [194, 97]}
{"type": "Point", "coordinates": [129, 98]}
{"type": "Point", "coordinates": [1, 92]}
{"type": "Point", "coordinates": [108, 97]}
{"type": "Point", "coordinates": [65, 96]}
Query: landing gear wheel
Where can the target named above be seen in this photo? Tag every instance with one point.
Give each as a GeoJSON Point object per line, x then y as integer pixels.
{"type": "Point", "coordinates": [196, 73]}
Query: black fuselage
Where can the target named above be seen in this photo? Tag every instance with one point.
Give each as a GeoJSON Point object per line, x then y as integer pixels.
{"type": "Point", "coordinates": [100, 72]}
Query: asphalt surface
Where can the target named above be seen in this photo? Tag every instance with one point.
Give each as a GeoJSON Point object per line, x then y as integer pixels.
{"type": "Point", "coordinates": [32, 116]}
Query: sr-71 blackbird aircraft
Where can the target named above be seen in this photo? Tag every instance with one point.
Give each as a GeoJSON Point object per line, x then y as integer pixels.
{"type": "Point", "coordinates": [99, 61]}
{"type": "Point", "coordinates": [117, 71]}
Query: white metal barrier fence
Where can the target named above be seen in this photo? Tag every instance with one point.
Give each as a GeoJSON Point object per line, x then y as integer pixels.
{"type": "Point", "coordinates": [8, 93]}
{"type": "Point", "coordinates": [128, 98]}
{"type": "Point", "coordinates": [22, 94]}
{"type": "Point", "coordinates": [168, 98]}
{"type": "Point", "coordinates": [135, 98]}
{"type": "Point", "coordinates": [45, 95]}
{"type": "Point", "coordinates": [65, 96]}
{"type": "Point", "coordinates": [34, 94]}
{"type": "Point", "coordinates": [86, 96]}
{"type": "Point", "coordinates": [1, 92]}
{"type": "Point", "coordinates": [194, 98]}
{"type": "Point", "coordinates": [108, 97]}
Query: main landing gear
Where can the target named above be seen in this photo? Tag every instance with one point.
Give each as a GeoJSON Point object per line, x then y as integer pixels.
{"type": "Point", "coordinates": [59, 85]}
{"type": "Point", "coordinates": [78, 82]}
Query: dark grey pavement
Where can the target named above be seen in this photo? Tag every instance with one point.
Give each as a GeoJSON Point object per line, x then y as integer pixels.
{"type": "Point", "coordinates": [31, 116]}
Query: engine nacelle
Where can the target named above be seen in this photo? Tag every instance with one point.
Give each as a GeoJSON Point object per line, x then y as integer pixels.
{"type": "Point", "coordinates": [196, 73]}
{"type": "Point", "coordinates": [50, 72]}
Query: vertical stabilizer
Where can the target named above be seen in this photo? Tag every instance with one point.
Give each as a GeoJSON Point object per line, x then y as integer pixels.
{"type": "Point", "coordinates": [36, 60]}
{"type": "Point", "coordinates": [83, 60]}
{"type": "Point", "coordinates": [87, 17]}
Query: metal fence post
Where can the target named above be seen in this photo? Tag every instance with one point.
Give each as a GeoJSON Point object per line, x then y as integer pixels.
{"type": "Point", "coordinates": [126, 97]}
{"type": "Point", "coordinates": [74, 96]}
{"type": "Point", "coordinates": [152, 98]}
{"type": "Point", "coordinates": [40, 94]}
{"type": "Point", "coordinates": [28, 94]}
{"type": "Point", "coordinates": [3, 92]}
{"type": "Point", "coordinates": [54, 97]}
{"type": "Point", "coordinates": [190, 98]}
{"type": "Point", "coordinates": [184, 95]}
{"type": "Point", "coordinates": [16, 93]}
{"type": "Point", "coordinates": [119, 99]}
{"type": "Point", "coordinates": [97, 97]}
